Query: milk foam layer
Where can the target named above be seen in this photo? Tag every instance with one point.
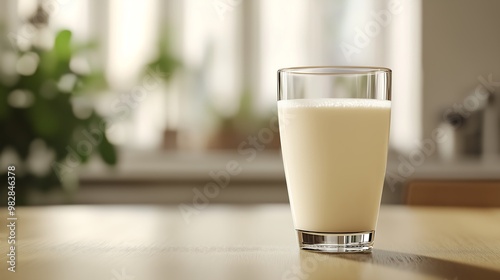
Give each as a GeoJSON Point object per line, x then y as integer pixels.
{"type": "Point", "coordinates": [336, 102]}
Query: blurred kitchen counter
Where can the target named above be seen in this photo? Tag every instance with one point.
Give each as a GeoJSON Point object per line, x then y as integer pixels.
{"type": "Point", "coordinates": [266, 165]}
{"type": "Point", "coordinates": [244, 242]}
{"type": "Point", "coordinates": [172, 177]}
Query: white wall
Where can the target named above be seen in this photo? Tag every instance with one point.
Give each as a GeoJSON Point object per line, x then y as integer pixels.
{"type": "Point", "coordinates": [461, 41]}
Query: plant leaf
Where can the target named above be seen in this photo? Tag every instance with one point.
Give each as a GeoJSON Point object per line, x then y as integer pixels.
{"type": "Point", "coordinates": [107, 151]}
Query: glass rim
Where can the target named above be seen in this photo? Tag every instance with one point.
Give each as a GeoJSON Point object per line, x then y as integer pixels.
{"type": "Point", "coordinates": [335, 70]}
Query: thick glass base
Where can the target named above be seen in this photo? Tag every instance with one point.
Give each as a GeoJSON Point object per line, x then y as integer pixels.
{"type": "Point", "coordinates": [344, 242]}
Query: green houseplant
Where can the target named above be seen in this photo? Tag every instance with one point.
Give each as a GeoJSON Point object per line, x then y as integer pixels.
{"type": "Point", "coordinates": [37, 106]}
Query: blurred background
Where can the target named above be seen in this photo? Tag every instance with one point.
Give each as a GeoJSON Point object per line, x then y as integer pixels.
{"type": "Point", "coordinates": [173, 101]}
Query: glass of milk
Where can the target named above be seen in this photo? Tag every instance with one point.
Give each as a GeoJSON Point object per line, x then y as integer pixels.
{"type": "Point", "coordinates": [334, 129]}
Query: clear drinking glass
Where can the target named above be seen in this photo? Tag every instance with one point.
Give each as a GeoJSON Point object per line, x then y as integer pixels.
{"type": "Point", "coordinates": [334, 130]}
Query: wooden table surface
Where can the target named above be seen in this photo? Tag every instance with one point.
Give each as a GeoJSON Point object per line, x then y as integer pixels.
{"type": "Point", "coordinates": [243, 242]}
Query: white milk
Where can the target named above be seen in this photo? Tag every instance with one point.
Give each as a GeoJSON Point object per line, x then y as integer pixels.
{"type": "Point", "coordinates": [335, 154]}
